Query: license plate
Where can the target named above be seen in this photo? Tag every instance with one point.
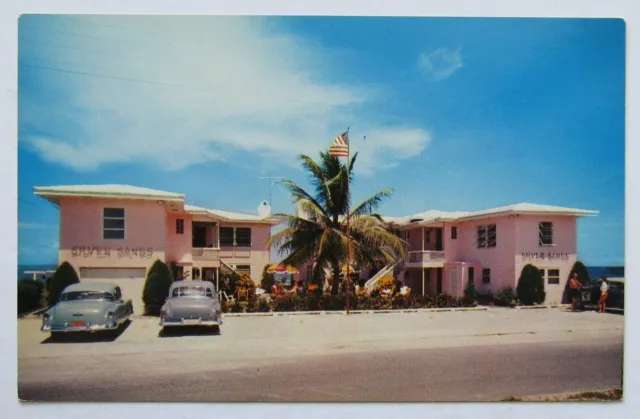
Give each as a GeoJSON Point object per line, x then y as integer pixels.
{"type": "Point", "coordinates": [190, 322]}
{"type": "Point", "coordinates": [77, 324]}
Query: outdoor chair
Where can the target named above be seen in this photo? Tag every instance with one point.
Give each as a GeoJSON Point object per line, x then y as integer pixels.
{"type": "Point", "coordinates": [229, 299]}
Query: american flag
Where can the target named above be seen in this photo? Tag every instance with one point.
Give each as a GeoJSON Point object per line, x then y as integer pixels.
{"type": "Point", "coordinates": [340, 146]}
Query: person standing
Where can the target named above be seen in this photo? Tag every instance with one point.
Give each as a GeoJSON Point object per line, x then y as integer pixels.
{"type": "Point", "coordinates": [574, 290]}
{"type": "Point", "coordinates": [604, 293]}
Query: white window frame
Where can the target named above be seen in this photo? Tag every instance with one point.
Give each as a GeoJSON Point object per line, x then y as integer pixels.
{"type": "Point", "coordinates": [546, 276]}
{"type": "Point", "coordinates": [482, 275]}
{"type": "Point", "coordinates": [123, 218]}
{"type": "Point", "coordinates": [235, 240]}
{"type": "Point", "coordinates": [540, 243]}
{"type": "Point", "coordinates": [485, 229]}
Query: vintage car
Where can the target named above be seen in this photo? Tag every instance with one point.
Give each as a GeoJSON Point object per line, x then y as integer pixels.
{"type": "Point", "coordinates": [591, 294]}
{"type": "Point", "coordinates": [88, 307]}
{"type": "Point", "coordinates": [191, 303]}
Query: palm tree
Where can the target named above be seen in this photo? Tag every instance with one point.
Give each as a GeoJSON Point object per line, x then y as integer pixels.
{"type": "Point", "coordinates": [321, 235]}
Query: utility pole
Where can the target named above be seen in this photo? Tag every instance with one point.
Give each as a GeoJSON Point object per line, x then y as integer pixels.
{"type": "Point", "coordinates": [271, 183]}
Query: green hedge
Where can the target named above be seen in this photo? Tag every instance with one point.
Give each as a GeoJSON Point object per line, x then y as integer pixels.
{"type": "Point", "coordinates": [288, 303]}
{"type": "Point", "coordinates": [156, 287]}
{"type": "Point", "coordinates": [530, 288]}
{"type": "Point", "coordinates": [64, 276]}
{"type": "Point", "coordinates": [30, 295]}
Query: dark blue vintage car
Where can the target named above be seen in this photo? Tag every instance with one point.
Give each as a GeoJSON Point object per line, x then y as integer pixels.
{"type": "Point", "coordinates": [590, 294]}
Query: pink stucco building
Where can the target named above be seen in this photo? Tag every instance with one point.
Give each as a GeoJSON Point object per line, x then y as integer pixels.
{"type": "Point", "coordinates": [115, 233]}
{"type": "Point", "coordinates": [489, 248]}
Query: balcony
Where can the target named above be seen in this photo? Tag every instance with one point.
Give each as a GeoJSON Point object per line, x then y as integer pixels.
{"type": "Point", "coordinates": [425, 259]}
{"type": "Point", "coordinates": [206, 254]}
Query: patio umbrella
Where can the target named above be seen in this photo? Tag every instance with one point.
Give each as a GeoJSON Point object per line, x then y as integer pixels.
{"type": "Point", "coordinates": [280, 268]}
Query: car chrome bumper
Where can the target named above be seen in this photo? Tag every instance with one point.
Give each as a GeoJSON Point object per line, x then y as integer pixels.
{"type": "Point", "coordinates": [86, 328]}
{"type": "Point", "coordinates": [190, 322]}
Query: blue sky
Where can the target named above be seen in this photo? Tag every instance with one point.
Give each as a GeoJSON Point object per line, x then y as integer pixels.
{"type": "Point", "coordinates": [458, 113]}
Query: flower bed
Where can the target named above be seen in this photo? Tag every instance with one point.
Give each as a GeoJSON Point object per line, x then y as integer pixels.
{"type": "Point", "coordinates": [289, 303]}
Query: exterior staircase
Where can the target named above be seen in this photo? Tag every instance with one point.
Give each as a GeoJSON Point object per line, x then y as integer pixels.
{"type": "Point", "coordinates": [373, 281]}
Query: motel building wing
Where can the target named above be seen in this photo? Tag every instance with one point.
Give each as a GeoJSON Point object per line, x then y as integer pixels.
{"type": "Point", "coordinates": [115, 232]}
{"type": "Point", "coordinates": [447, 250]}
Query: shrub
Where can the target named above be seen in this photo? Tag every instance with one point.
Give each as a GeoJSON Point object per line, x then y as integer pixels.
{"type": "Point", "coordinates": [267, 279]}
{"type": "Point", "coordinates": [505, 298]}
{"type": "Point", "coordinates": [237, 307]}
{"type": "Point", "coordinates": [581, 270]}
{"type": "Point", "coordinates": [364, 302]}
{"type": "Point", "coordinates": [64, 276]}
{"type": "Point", "coordinates": [530, 288]}
{"type": "Point", "coordinates": [470, 293]}
{"type": "Point", "coordinates": [334, 303]}
{"type": "Point", "coordinates": [30, 295]}
{"type": "Point", "coordinates": [486, 299]}
{"type": "Point", "coordinates": [156, 287]}
{"type": "Point", "coordinates": [312, 302]}
{"type": "Point", "coordinates": [386, 282]}
{"type": "Point", "coordinates": [287, 302]}
{"type": "Point", "coordinates": [245, 287]}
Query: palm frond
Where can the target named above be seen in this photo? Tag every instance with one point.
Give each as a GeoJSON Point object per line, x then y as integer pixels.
{"type": "Point", "coordinates": [318, 179]}
{"type": "Point", "coordinates": [372, 203]}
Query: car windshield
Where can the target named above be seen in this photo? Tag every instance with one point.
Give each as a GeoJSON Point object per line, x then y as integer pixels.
{"type": "Point", "coordinates": [87, 295]}
{"type": "Point", "coordinates": [192, 292]}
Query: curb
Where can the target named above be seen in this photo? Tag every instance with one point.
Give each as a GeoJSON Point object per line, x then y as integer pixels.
{"type": "Point", "coordinates": [537, 307]}
{"type": "Point", "coordinates": [342, 312]}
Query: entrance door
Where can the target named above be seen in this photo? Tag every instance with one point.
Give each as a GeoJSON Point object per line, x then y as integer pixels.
{"type": "Point", "coordinates": [199, 236]}
{"type": "Point", "coordinates": [471, 274]}
{"type": "Point", "coordinates": [453, 282]}
{"type": "Point", "coordinates": [439, 281]}
{"type": "Point", "coordinates": [438, 239]}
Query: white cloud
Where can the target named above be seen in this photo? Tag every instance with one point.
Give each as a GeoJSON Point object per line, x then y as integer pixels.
{"type": "Point", "coordinates": [219, 87]}
{"type": "Point", "coordinates": [440, 64]}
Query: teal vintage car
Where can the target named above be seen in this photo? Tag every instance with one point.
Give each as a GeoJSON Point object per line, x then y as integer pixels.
{"type": "Point", "coordinates": [88, 307]}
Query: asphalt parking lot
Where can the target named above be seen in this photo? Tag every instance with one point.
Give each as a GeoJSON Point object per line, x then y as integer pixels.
{"type": "Point", "coordinates": [259, 343]}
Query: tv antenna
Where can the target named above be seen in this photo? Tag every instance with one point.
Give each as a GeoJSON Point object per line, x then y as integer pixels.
{"type": "Point", "coordinates": [271, 183]}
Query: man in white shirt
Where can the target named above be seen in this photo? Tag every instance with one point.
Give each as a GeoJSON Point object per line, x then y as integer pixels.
{"type": "Point", "coordinates": [604, 293]}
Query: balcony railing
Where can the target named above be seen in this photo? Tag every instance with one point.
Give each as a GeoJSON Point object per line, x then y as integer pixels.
{"type": "Point", "coordinates": [205, 254]}
{"type": "Point", "coordinates": [425, 256]}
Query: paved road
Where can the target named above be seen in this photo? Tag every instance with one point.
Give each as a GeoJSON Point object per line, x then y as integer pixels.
{"type": "Point", "coordinates": [469, 373]}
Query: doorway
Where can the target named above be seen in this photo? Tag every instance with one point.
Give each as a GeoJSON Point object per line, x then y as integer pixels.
{"type": "Point", "coordinates": [438, 239]}
{"type": "Point", "coordinates": [199, 236]}
{"type": "Point", "coordinates": [439, 281]}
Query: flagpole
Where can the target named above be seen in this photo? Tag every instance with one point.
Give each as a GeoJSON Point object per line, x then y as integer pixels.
{"type": "Point", "coordinates": [348, 231]}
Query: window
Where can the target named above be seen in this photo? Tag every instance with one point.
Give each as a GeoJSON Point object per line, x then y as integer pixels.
{"type": "Point", "coordinates": [243, 237]}
{"type": "Point", "coordinates": [113, 224]}
{"type": "Point", "coordinates": [486, 275]}
{"type": "Point", "coordinates": [243, 269]}
{"type": "Point", "coordinates": [487, 236]}
{"type": "Point", "coordinates": [454, 233]}
{"type": "Point", "coordinates": [427, 236]}
{"type": "Point", "coordinates": [179, 226]}
{"type": "Point", "coordinates": [235, 236]}
{"type": "Point", "coordinates": [226, 236]}
{"type": "Point", "coordinates": [545, 233]}
{"type": "Point", "coordinates": [551, 276]}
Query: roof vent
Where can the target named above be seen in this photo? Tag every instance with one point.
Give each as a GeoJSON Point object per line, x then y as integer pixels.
{"type": "Point", "coordinates": [264, 209]}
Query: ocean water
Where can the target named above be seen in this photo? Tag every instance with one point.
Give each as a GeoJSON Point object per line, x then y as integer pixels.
{"type": "Point", "coordinates": [595, 272]}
